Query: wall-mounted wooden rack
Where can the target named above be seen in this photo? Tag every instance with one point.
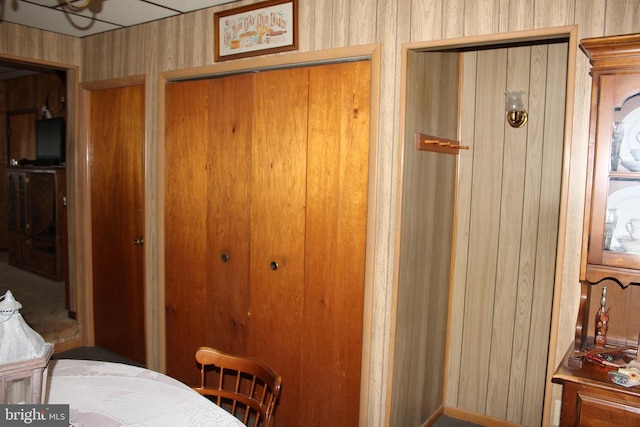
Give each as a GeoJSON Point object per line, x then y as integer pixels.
{"type": "Point", "coordinates": [426, 142]}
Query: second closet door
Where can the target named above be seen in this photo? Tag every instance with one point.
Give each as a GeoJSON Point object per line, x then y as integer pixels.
{"type": "Point", "coordinates": [278, 193]}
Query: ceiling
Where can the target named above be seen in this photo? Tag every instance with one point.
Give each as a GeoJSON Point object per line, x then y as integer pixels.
{"type": "Point", "coordinates": [99, 16]}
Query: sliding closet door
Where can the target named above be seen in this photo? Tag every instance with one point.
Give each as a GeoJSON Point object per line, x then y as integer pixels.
{"type": "Point", "coordinates": [278, 189]}
{"type": "Point", "coordinates": [228, 202]}
{"type": "Point", "coordinates": [266, 207]}
{"type": "Point", "coordinates": [187, 143]}
{"type": "Point", "coordinates": [208, 142]}
{"type": "Point", "coordinates": [335, 242]}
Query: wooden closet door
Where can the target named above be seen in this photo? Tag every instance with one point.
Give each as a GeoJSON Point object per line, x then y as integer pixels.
{"type": "Point", "coordinates": [117, 218]}
{"type": "Point", "coordinates": [228, 201]}
{"type": "Point", "coordinates": [278, 191]}
{"type": "Point", "coordinates": [335, 243]}
{"type": "Point", "coordinates": [187, 142]}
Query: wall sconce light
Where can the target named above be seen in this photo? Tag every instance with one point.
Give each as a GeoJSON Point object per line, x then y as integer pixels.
{"type": "Point", "coordinates": [516, 114]}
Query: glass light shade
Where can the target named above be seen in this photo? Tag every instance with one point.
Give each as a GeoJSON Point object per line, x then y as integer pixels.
{"type": "Point", "coordinates": [513, 101]}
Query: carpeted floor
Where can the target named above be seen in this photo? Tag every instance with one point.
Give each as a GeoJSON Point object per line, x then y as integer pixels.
{"type": "Point", "coordinates": [42, 302]}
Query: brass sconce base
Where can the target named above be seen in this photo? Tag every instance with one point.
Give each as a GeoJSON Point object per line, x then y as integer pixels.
{"type": "Point", "coordinates": [77, 5]}
{"type": "Point", "coordinates": [517, 119]}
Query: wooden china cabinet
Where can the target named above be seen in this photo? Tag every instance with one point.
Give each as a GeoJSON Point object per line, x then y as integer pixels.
{"type": "Point", "coordinates": [610, 272]}
{"type": "Point", "coordinates": [38, 220]}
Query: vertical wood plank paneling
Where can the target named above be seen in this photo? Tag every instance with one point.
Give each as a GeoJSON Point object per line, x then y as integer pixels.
{"type": "Point", "coordinates": [511, 212]}
{"type": "Point", "coordinates": [387, 98]}
{"type": "Point", "coordinates": [553, 13]}
{"type": "Point", "coordinates": [360, 12]}
{"type": "Point", "coordinates": [195, 54]}
{"type": "Point", "coordinates": [481, 17]}
{"type": "Point", "coordinates": [390, 27]}
{"type": "Point", "coordinates": [459, 282]}
{"type": "Point", "coordinates": [427, 222]}
{"type": "Point", "coordinates": [527, 240]}
{"type": "Point", "coordinates": [622, 17]}
{"type": "Point", "coordinates": [340, 13]}
{"type": "Point", "coordinates": [17, 41]}
{"type": "Point", "coordinates": [306, 19]}
{"type": "Point", "coordinates": [516, 15]}
{"type": "Point", "coordinates": [4, 31]}
{"type": "Point", "coordinates": [168, 42]}
{"type": "Point", "coordinates": [406, 384]}
{"type": "Point", "coordinates": [426, 20]}
{"type": "Point", "coordinates": [34, 42]}
{"type": "Point", "coordinates": [453, 13]}
{"type": "Point", "coordinates": [515, 314]}
{"type": "Point", "coordinates": [322, 25]}
{"type": "Point", "coordinates": [548, 231]}
{"type": "Point", "coordinates": [483, 231]}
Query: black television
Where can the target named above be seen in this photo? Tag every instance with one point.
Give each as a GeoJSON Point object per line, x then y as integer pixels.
{"type": "Point", "coordinates": [50, 140]}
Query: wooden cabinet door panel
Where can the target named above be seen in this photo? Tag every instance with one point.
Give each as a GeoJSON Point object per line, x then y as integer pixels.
{"type": "Point", "coordinates": [336, 219]}
{"type": "Point", "coordinates": [116, 128]}
{"type": "Point", "coordinates": [278, 186]}
{"type": "Point", "coordinates": [22, 135]}
{"type": "Point", "coordinates": [228, 199]}
{"type": "Point", "coordinates": [187, 141]}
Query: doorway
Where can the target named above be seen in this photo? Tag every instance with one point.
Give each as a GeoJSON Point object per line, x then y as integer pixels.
{"type": "Point", "coordinates": [475, 312]}
{"type": "Point", "coordinates": [27, 87]}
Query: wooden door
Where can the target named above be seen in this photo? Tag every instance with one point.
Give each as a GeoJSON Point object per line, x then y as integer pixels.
{"type": "Point", "coordinates": [228, 202]}
{"type": "Point", "coordinates": [187, 143]}
{"type": "Point", "coordinates": [116, 129]}
{"type": "Point", "coordinates": [278, 191]}
{"type": "Point", "coordinates": [265, 233]}
{"type": "Point", "coordinates": [207, 219]}
{"type": "Point", "coordinates": [335, 243]}
{"type": "Point", "coordinates": [22, 135]}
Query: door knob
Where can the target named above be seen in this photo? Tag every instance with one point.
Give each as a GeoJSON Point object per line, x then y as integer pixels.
{"type": "Point", "coordinates": [138, 241]}
{"type": "Point", "coordinates": [274, 265]}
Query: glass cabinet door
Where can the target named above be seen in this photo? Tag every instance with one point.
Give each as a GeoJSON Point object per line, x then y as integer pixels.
{"type": "Point", "coordinates": [615, 221]}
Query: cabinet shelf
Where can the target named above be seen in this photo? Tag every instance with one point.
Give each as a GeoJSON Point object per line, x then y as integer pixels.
{"type": "Point", "coordinates": [625, 176]}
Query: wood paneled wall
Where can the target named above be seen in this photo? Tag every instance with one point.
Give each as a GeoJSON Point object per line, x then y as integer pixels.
{"type": "Point", "coordinates": [428, 215]}
{"type": "Point", "coordinates": [509, 208]}
{"type": "Point", "coordinates": [186, 42]}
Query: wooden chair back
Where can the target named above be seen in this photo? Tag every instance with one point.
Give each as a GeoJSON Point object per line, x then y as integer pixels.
{"type": "Point", "coordinates": [244, 386]}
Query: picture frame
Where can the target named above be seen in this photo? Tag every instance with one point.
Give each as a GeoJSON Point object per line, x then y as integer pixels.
{"type": "Point", "coordinates": [257, 29]}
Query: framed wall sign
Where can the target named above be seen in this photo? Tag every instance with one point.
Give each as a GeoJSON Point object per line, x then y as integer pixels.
{"type": "Point", "coordinates": [256, 29]}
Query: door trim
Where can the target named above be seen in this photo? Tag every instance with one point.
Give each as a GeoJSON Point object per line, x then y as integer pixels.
{"type": "Point", "coordinates": [371, 349]}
